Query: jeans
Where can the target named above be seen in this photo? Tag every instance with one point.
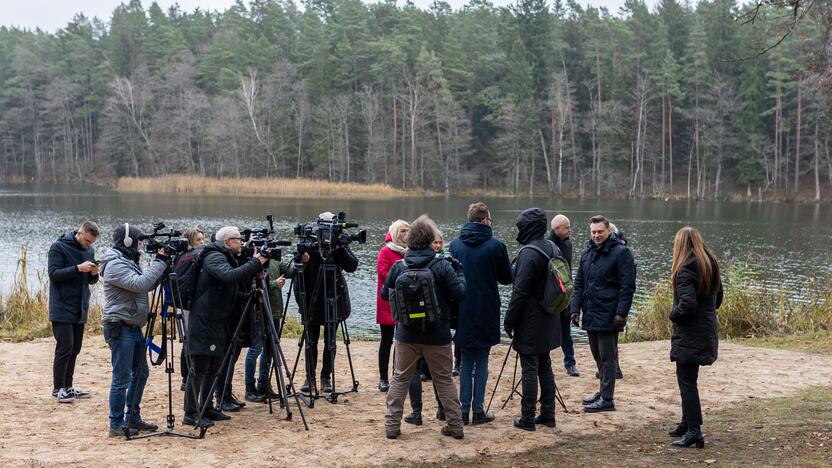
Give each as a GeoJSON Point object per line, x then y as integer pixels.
{"type": "Point", "coordinates": [687, 375]}
{"type": "Point", "coordinates": [473, 376]}
{"type": "Point", "coordinates": [537, 368]}
{"type": "Point", "coordinates": [129, 371]}
{"type": "Point", "coordinates": [566, 340]}
{"type": "Point", "coordinates": [255, 351]}
{"type": "Point", "coordinates": [68, 339]}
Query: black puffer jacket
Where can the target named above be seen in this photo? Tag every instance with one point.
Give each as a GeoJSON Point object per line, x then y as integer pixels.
{"type": "Point", "coordinates": [534, 330]}
{"type": "Point", "coordinates": [605, 284]}
{"type": "Point", "coordinates": [216, 299]}
{"type": "Point", "coordinates": [565, 246]}
{"type": "Point", "coordinates": [69, 289]}
{"type": "Point", "coordinates": [450, 287]}
{"type": "Point", "coordinates": [346, 261]}
{"type": "Point", "coordinates": [695, 326]}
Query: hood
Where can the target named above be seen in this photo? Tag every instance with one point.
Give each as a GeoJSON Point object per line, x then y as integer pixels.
{"type": "Point", "coordinates": [388, 238]}
{"type": "Point", "coordinates": [608, 244]}
{"type": "Point", "coordinates": [474, 234]}
{"type": "Point", "coordinates": [69, 239]}
{"type": "Point", "coordinates": [419, 258]}
{"type": "Point", "coordinates": [531, 224]}
{"type": "Point", "coordinates": [109, 256]}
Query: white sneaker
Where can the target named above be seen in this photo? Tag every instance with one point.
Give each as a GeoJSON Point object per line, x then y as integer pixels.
{"type": "Point", "coordinates": [77, 394]}
{"type": "Point", "coordinates": [63, 396]}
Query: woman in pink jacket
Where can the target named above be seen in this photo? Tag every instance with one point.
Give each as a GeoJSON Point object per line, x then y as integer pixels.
{"type": "Point", "coordinates": [392, 252]}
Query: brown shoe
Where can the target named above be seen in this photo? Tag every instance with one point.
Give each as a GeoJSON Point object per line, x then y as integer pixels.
{"type": "Point", "coordinates": [456, 434]}
{"type": "Point", "coordinates": [393, 434]}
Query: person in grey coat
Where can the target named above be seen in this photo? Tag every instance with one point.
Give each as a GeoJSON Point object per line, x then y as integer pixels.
{"type": "Point", "coordinates": [125, 313]}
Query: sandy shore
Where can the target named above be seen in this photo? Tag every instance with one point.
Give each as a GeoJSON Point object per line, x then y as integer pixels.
{"type": "Point", "coordinates": [35, 430]}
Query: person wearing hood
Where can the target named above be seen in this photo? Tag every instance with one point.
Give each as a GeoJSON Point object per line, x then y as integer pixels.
{"type": "Point", "coordinates": [433, 343]}
{"type": "Point", "coordinates": [485, 264]}
{"type": "Point", "coordinates": [393, 251]}
{"type": "Point", "coordinates": [72, 269]}
{"type": "Point", "coordinates": [561, 228]}
{"type": "Point", "coordinates": [604, 288]}
{"type": "Point", "coordinates": [125, 313]}
{"type": "Point", "coordinates": [534, 332]}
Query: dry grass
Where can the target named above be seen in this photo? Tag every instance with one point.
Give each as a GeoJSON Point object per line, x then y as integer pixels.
{"type": "Point", "coordinates": [276, 187]}
{"type": "Point", "coordinates": [749, 308]}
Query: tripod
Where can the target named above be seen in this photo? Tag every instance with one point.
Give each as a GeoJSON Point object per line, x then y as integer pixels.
{"type": "Point", "coordinates": [258, 303]}
{"type": "Point", "coordinates": [166, 298]}
{"type": "Point", "coordinates": [326, 279]}
{"type": "Point", "coordinates": [515, 384]}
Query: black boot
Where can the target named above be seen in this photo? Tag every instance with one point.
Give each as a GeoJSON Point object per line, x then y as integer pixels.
{"type": "Point", "coordinates": [680, 430]}
{"type": "Point", "coordinates": [692, 437]}
{"type": "Point", "coordinates": [482, 417]}
{"type": "Point", "coordinates": [548, 421]}
{"type": "Point", "coordinates": [465, 418]}
{"type": "Point", "coordinates": [267, 391]}
{"type": "Point", "coordinates": [524, 423]}
{"type": "Point", "coordinates": [326, 385]}
{"type": "Point", "coordinates": [440, 414]}
{"type": "Point", "coordinates": [253, 395]}
{"type": "Point", "coordinates": [414, 418]}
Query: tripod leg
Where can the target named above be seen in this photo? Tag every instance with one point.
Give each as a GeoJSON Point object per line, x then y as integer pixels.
{"type": "Point", "coordinates": [286, 308]}
{"type": "Point", "coordinates": [514, 382]}
{"type": "Point", "coordinates": [346, 335]}
{"type": "Point", "coordinates": [499, 376]}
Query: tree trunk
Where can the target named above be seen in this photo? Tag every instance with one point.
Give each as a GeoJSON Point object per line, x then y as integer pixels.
{"type": "Point", "coordinates": [817, 157]}
{"type": "Point", "coordinates": [797, 139]}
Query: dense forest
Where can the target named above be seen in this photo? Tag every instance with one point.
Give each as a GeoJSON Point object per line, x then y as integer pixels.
{"type": "Point", "coordinates": [682, 100]}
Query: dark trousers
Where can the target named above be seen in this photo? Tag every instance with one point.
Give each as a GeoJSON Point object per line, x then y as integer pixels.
{"type": "Point", "coordinates": [205, 369]}
{"type": "Point", "coordinates": [384, 348]}
{"type": "Point", "coordinates": [687, 375]}
{"type": "Point", "coordinates": [537, 368]}
{"type": "Point", "coordinates": [68, 339]}
{"type": "Point", "coordinates": [566, 340]}
{"type": "Point", "coordinates": [604, 347]}
{"type": "Point", "coordinates": [314, 330]}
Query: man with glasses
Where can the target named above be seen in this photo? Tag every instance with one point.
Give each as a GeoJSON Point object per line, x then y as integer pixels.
{"type": "Point", "coordinates": [72, 269]}
{"type": "Point", "coordinates": [485, 264]}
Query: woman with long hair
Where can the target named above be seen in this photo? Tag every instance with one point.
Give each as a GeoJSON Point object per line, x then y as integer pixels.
{"type": "Point", "coordinates": [393, 251]}
{"type": "Point", "coordinates": [697, 294]}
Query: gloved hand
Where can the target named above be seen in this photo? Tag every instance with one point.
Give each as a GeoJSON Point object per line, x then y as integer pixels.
{"type": "Point", "coordinates": [455, 264]}
{"type": "Point", "coordinates": [509, 332]}
{"type": "Point", "coordinates": [619, 322]}
{"type": "Point", "coordinates": [576, 319]}
{"type": "Point", "coordinates": [163, 256]}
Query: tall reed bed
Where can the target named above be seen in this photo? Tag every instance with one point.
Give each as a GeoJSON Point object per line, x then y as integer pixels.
{"type": "Point", "coordinates": [751, 307]}
{"type": "Point", "coordinates": [24, 310]}
{"type": "Point", "coordinates": [279, 187]}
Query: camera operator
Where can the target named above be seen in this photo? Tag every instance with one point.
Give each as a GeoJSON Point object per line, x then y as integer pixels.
{"type": "Point", "coordinates": [214, 302]}
{"type": "Point", "coordinates": [125, 313]}
{"type": "Point", "coordinates": [343, 257]}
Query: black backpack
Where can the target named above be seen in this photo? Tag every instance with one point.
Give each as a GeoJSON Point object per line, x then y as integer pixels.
{"type": "Point", "coordinates": [187, 268]}
{"type": "Point", "coordinates": [413, 301]}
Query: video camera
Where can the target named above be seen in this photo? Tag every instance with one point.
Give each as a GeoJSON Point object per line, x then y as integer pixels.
{"type": "Point", "coordinates": [171, 241]}
{"type": "Point", "coordinates": [261, 241]}
{"type": "Point", "coordinates": [326, 235]}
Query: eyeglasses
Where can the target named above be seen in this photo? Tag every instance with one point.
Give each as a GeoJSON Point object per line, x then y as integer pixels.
{"type": "Point", "coordinates": [235, 238]}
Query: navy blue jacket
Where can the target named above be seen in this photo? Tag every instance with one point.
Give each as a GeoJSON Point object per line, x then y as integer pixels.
{"type": "Point", "coordinates": [450, 287]}
{"type": "Point", "coordinates": [605, 284]}
{"type": "Point", "coordinates": [69, 289]}
{"type": "Point", "coordinates": [485, 263]}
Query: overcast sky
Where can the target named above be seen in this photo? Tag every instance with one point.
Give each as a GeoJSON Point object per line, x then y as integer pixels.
{"type": "Point", "coordinates": [51, 15]}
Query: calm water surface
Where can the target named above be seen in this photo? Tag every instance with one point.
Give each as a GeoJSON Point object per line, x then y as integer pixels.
{"type": "Point", "coordinates": [791, 239]}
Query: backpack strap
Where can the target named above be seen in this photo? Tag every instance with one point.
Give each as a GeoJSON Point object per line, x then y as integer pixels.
{"type": "Point", "coordinates": [537, 249]}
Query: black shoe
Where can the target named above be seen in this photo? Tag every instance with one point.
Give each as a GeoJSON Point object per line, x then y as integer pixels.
{"type": "Point", "coordinates": [482, 417]}
{"type": "Point", "coordinates": [524, 424]}
{"type": "Point", "coordinates": [465, 418]}
{"type": "Point", "coordinates": [190, 420]}
{"type": "Point", "coordinates": [548, 421]}
{"type": "Point", "coordinates": [680, 430]}
{"type": "Point", "coordinates": [440, 414]}
{"type": "Point", "coordinates": [692, 437]}
{"type": "Point", "coordinates": [305, 387]}
{"type": "Point", "coordinates": [214, 415]}
{"type": "Point", "coordinates": [572, 371]}
{"type": "Point", "coordinates": [599, 405]}
{"type": "Point", "coordinates": [267, 392]}
{"type": "Point", "coordinates": [233, 399]}
{"type": "Point", "coordinates": [423, 377]}
{"type": "Point", "coordinates": [414, 418]}
{"type": "Point", "coordinates": [229, 407]}
{"type": "Point", "coordinates": [254, 396]}
{"type": "Point", "coordinates": [591, 400]}
{"type": "Point", "coordinates": [77, 394]}
{"type": "Point", "coordinates": [447, 431]}
{"type": "Point", "coordinates": [383, 385]}
{"type": "Point", "coordinates": [455, 371]}
{"type": "Point", "coordinates": [393, 434]}
{"type": "Point", "coordinates": [142, 426]}
{"type": "Point", "coordinates": [119, 431]}
{"type": "Point", "coordinates": [326, 385]}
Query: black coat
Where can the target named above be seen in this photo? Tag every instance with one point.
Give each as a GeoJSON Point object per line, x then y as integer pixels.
{"type": "Point", "coordinates": [605, 284]}
{"type": "Point", "coordinates": [450, 287]}
{"type": "Point", "coordinates": [346, 261]}
{"type": "Point", "coordinates": [695, 338]}
{"type": "Point", "coordinates": [565, 246]}
{"type": "Point", "coordinates": [69, 289]}
{"type": "Point", "coordinates": [535, 331]}
{"type": "Point", "coordinates": [485, 263]}
{"type": "Point", "coordinates": [216, 300]}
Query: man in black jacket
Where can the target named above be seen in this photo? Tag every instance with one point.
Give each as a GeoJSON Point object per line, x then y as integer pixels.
{"type": "Point", "coordinates": [534, 332]}
{"type": "Point", "coordinates": [561, 228]}
{"type": "Point", "coordinates": [316, 297]}
{"type": "Point", "coordinates": [212, 306]}
{"type": "Point", "coordinates": [72, 269]}
{"type": "Point", "coordinates": [604, 288]}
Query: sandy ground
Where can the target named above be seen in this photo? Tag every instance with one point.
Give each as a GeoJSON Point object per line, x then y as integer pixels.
{"type": "Point", "coordinates": [35, 430]}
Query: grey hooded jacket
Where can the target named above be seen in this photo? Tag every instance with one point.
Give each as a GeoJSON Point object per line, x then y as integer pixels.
{"type": "Point", "coordinates": [126, 288]}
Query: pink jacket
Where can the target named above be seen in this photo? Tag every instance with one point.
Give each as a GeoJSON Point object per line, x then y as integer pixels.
{"type": "Point", "coordinates": [386, 258]}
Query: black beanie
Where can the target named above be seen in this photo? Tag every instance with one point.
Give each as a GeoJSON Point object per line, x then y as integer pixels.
{"type": "Point", "coordinates": [131, 252]}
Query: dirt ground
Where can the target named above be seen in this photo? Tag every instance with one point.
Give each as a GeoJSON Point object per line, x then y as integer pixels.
{"type": "Point", "coordinates": [35, 430]}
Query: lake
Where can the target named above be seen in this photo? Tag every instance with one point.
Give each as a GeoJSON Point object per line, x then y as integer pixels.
{"type": "Point", "coordinates": [792, 240]}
